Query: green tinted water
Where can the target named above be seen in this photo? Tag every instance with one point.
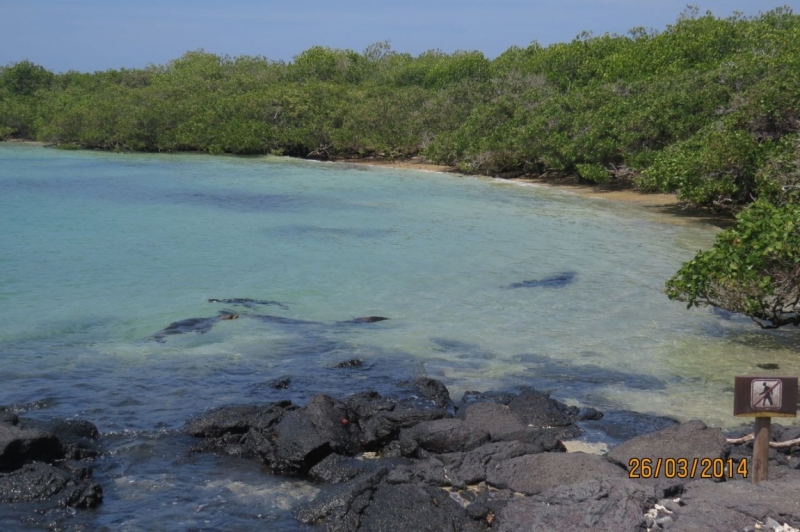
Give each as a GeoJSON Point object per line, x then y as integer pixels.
{"type": "Point", "coordinates": [99, 251]}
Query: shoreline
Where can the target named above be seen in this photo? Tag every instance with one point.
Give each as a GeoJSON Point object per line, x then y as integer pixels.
{"type": "Point", "coordinates": [657, 203]}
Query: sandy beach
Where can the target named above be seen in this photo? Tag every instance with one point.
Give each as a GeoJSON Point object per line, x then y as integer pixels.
{"type": "Point", "coordinates": [621, 192]}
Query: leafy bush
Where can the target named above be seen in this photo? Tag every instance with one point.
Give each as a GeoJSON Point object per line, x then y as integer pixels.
{"type": "Point", "coordinates": [753, 268]}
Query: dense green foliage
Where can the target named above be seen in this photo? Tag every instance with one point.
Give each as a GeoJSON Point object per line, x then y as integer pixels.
{"type": "Point", "coordinates": [753, 268]}
{"type": "Point", "coordinates": [709, 109]}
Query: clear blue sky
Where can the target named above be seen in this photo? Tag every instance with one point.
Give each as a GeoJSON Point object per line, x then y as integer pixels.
{"type": "Point", "coordinates": [90, 35]}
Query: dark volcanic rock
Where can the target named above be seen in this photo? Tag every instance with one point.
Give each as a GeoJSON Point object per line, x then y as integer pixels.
{"type": "Point", "coordinates": [305, 436]}
{"type": "Point", "coordinates": [241, 430]}
{"type": "Point", "coordinates": [688, 440]}
{"type": "Point", "coordinates": [340, 506]}
{"type": "Point", "coordinates": [287, 438]}
{"type": "Point", "coordinates": [532, 474]}
{"type": "Point", "coordinates": [77, 436]}
{"type": "Point", "coordinates": [280, 384]}
{"type": "Point", "coordinates": [496, 419]}
{"type": "Point", "coordinates": [589, 414]}
{"type": "Point", "coordinates": [19, 446]}
{"type": "Point", "coordinates": [336, 468]}
{"type": "Point", "coordinates": [460, 470]}
{"type": "Point", "coordinates": [352, 363]}
{"type": "Point", "coordinates": [441, 436]}
{"type": "Point", "coordinates": [472, 397]}
{"type": "Point", "coordinates": [472, 467]}
{"type": "Point", "coordinates": [381, 419]}
{"type": "Point", "coordinates": [522, 423]}
{"type": "Point", "coordinates": [433, 390]}
{"type": "Point", "coordinates": [8, 417]}
{"type": "Point", "coordinates": [430, 471]}
{"type": "Point", "coordinates": [237, 419]}
{"type": "Point", "coordinates": [487, 456]}
{"type": "Point", "coordinates": [732, 505]}
{"type": "Point", "coordinates": [484, 469]}
{"type": "Point", "coordinates": [616, 505]}
{"type": "Point", "coordinates": [405, 507]}
{"type": "Point", "coordinates": [537, 409]}
{"type": "Point", "coordinates": [38, 482]}
{"type": "Point", "coordinates": [29, 451]}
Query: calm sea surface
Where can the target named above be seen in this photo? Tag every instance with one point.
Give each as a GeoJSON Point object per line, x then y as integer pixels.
{"type": "Point", "coordinates": [99, 251]}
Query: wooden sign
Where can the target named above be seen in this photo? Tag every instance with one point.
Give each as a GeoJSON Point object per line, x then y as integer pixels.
{"type": "Point", "coordinates": [765, 396]}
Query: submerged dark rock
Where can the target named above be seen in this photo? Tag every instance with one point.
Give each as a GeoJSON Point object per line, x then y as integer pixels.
{"type": "Point", "coordinates": [267, 318]}
{"type": "Point", "coordinates": [433, 390]}
{"type": "Point", "coordinates": [352, 363]}
{"type": "Point", "coordinates": [369, 319]}
{"type": "Point", "coordinates": [197, 325]}
{"type": "Point", "coordinates": [623, 425]}
{"type": "Point", "coordinates": [363, 319]}
{"type": "Point", "coordinates": [557, 280]}
{"type": "Point", "coordinates": [277, 384]}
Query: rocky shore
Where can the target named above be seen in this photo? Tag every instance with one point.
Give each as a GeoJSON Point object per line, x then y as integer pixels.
{"type": "Point", "coordinates": [491, 461]}
{"type": "Point", "coordinates": [48, 462]}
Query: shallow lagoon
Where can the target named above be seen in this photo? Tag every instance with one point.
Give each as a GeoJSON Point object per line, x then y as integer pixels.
{"type": "Point", "coordinates": [99, 251]}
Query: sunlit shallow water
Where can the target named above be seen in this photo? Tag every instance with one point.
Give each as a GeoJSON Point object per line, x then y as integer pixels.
{"type": "Point", "coordinates": [99, 251]}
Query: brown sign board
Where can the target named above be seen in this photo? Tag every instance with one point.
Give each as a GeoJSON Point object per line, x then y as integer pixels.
{"type": "Point", "coordinates": [765, 396]}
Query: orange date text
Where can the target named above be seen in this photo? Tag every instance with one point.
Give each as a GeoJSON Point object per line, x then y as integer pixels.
{"type": "Point", "coordinates": [690, 468]}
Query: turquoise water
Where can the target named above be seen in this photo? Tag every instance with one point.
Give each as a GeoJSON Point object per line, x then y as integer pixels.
{"type": "Point", "coordinates": [99, 251]}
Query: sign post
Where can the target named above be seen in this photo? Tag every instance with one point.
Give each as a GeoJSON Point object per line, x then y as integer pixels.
{"type": "Point", "coordinates": [764, 398]}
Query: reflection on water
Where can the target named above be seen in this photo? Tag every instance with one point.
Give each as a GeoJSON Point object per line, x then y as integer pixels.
{"type": "Point", "coordinates": [102, 250]}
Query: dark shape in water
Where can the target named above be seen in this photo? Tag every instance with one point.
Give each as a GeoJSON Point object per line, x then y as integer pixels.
{"type": "Point", "coordinates": [768, 365]}
{"type": "Point", "coordinates": [352, 363]}
{"type": "Point", "coordinates": [280, 384]}
{"type": "Point", "coordinates": [267, 318]}
{"type": "Point", "coordinates": [623, 425]}
{"type": "Point", "coordinates": [461, 349]}
{"type": "Point", "coordinates": [198, 325]}
{"type": "Point", "coordinates": [248, 303]}
{"type": "Point", "coordinates": [723, 313]}
{"type": "Point", "coordinates": [365, 319]}
{"type": "Point", "coordinates": [558, 280]}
